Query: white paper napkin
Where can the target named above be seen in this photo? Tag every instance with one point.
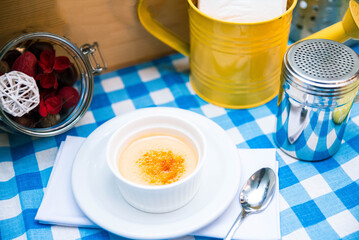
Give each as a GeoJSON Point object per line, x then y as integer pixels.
{"type": "Point", "coordinates": [58, 205]}
{"type": "Point", "coordinates": [60, 208]}
{"type": "Point", "coordinates": [243, 11]}
{"type": "Point", "coordinates": [265, 225]}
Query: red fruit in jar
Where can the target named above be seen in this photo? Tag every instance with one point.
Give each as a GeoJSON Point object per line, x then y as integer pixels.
{"type": "Point", "coordinates": [70, 97]}
{"type": "Point", "coordinates": [25, 63]}
{"type": "Point", "coordinates": [50, 103]}
{"type": "Point", "coordinates": [38, 47]}
{"type": "Point", "coordinates": [42, 108]}
{"type": "Point", "coordinates": [47, 60]}
{"type": "Point", "coordinates": [53, 104]}
{"type": "Point", "coordinates": [61, 63]}
{"type": "Point", "coordinates": [46, 93]}
{"type": "Point", "coordinates": [47, 80]}
{"type": "Point", "coordinates": [68, 77]}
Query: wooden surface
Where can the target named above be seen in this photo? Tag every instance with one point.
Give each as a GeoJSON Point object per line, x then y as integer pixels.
{"type": "Point", "coordinates": [112, 23]}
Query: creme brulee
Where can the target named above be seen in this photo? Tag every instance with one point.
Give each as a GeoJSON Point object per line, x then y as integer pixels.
{"type": "Point", "coordinates": [157, 160]}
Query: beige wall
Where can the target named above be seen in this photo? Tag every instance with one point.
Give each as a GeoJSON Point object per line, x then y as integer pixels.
{"type": "Point", "coordinates": [112, 23]}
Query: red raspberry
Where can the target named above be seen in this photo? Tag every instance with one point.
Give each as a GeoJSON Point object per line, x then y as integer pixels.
{"type": "Point", "coordinates": [25, 63]}
{"type": "Point", "coordinates": [70, 96]}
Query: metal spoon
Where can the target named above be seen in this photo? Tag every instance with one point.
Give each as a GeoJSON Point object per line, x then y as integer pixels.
{"type": "Point", "coordinates": [255, 196]}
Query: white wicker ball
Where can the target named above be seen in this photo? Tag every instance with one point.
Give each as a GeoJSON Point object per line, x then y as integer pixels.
{"type": "Point", "coordinates": [19, 93]}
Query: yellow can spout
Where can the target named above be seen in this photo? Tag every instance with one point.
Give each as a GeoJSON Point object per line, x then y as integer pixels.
{"type": "Point", "coordinates": [344, 30]}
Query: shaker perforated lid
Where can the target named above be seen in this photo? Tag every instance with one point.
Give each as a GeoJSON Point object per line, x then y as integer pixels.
{"type": "Point", "coordinates": [320, 64]}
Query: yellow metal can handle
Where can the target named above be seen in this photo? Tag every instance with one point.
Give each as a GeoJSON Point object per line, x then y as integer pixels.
{"type": "Point", "coordinates": [160, 31]}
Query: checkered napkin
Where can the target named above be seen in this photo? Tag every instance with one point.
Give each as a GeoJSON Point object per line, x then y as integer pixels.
{"type": "Point", "coordinates": [59, 206]}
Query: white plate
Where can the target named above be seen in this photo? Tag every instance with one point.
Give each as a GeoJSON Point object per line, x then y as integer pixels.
{"type": "Point", "coordinates": [99, 198]}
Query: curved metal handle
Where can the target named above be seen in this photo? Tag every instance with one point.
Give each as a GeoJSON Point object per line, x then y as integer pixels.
{"type": "Point", "coordinates": [159, 31]}
{"type": "Point", "coordinates": [89, 51]}
{"type": "Point", "coordinates": [235, 225]}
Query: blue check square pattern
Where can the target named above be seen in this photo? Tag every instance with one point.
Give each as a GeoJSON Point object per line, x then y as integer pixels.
{"type": "Point", "coordinates": [318, 200]}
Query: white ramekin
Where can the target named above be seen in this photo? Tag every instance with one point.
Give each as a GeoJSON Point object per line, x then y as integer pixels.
{"type": "Point", "coordinates": [164, 198]}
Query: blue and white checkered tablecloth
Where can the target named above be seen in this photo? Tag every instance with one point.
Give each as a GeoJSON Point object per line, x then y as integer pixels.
{"type": "Point", "coordinates": [319, 200]}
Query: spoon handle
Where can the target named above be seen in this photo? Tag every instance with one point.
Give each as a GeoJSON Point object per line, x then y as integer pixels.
{"type": "Point", "coordinates": [235, 225]}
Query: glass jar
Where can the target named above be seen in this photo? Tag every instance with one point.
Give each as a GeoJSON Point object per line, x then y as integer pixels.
{"type": "Point", "coordinates": [84, 65]}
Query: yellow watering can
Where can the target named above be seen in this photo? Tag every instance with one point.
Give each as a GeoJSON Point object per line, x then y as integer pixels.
{"type": "Point", "coordinates": [238, 65]}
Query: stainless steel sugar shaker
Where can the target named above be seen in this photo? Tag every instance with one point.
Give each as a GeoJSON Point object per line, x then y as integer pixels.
{"type": "Point", "coordinates": [319, 83]}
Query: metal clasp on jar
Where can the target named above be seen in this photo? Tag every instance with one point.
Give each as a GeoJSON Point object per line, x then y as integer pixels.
{"type": "Point", "coordinates": [90, 52]}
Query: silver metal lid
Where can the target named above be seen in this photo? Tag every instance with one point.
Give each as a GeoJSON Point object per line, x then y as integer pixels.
{"type": "Point", "coordinates": [322, 67]}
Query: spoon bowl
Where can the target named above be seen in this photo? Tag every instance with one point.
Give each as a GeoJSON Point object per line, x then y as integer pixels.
{"type": "Point", "coordinates": [255, 196]}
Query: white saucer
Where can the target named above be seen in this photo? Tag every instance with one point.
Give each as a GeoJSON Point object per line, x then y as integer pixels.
{"type": "Point", "coordinates": [99, 198]}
